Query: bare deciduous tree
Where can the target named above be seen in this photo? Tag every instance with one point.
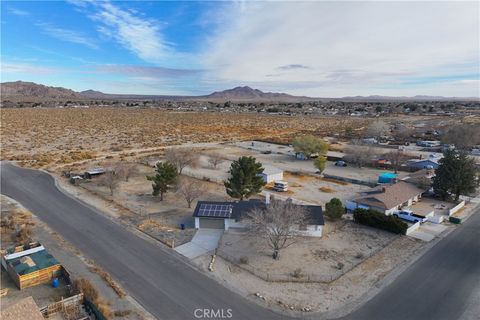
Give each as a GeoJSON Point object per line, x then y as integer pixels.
{"type": "Point", "coordinates": [277, 224]}
{"type": "Point", "coordinates": [190, 189]}
{"type": "Point", "coordinates": [125, 170]}
{"type": "Point", "coordinates": [377, 129]}
{"type": "Point", "coordinates": [110, 180]}
{"type": "Point", "coordinates": [182, 158]}
{"type": "Point", "coordinates": [215, 159]}
{"type": "Point", "coordinates": [358, 154]}
{"type": "Point", "coordinates": [403, 133]}
{"type": "Point", "coordinates": [463, 136]}
{"type": "Point", "coordinates": [396, 158]}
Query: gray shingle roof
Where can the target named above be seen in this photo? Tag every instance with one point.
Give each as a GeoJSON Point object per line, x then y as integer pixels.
{"type": "Point", "coordinates": [239, 209]}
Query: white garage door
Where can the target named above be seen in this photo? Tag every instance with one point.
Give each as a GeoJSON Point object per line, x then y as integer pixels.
{"type": "Point", "coordinates": [206, 223]}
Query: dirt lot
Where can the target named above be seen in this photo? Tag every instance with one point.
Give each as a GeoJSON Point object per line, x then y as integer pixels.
{"type": "Point", "coordinates": [317, 297]}
{"type": "Point", "coordinates": [136, 205]}
{"type": "Point", "coordinates": [50, 136]}
{"type": "Point", "coordinates": [304, 183]}
{"type": "Point", "coordinates": [315, 259]}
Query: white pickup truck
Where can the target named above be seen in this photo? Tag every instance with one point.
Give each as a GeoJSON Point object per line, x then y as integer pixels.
{"type": "Point", "coordinates": [409, 216]}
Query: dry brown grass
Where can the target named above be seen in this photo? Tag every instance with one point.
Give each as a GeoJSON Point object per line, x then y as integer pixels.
{"type": "Point", "coordinates": [16, 227]}
{"type": "Point", "coordinates": [342, 183]}
{"type": "Point", "coordinates": [122, 313]}
{"type": "Point", "coordinates": [108, 279]}
{"type": "Point", "coordinates": [86, 287]}
{"type": "Point", "coordinates": [90, 292]}
{"type": "Point", "coordinates": [297, 175]}
{"type": "Point", "coordinates": [326, 189]}
{"type": "Point", "coordinates": [44, 136]}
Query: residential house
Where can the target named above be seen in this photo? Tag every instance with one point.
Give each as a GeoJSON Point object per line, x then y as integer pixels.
{"type": "Point", "coordinates": [387, 198]}
{"type": "Point", "coordinates": [226, 215]}
{"type": "Point", "coordinates": [432, 162]}
{"type": "Point", "coordinates": [24, 309]}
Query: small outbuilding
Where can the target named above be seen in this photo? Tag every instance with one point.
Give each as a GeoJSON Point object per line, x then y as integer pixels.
{"type": "Point", "coordinates": [271, 174]}
{"type": "Point", "coordinates": [94, 172]}
{"type": "Point", "coordinates": [30, 265]}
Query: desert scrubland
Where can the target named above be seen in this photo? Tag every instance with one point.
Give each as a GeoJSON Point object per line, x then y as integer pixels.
{"type": "Point", "coordinates": [42, 136]}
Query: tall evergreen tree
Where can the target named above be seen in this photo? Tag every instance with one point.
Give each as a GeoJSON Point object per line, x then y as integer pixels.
{"type": "Point", "coordinates": [245, 179]}
{"type": "Point", "coordinates": [455, 176]}
{"type": "Point", "coordinates": [165, 177]}
{"type": "Point", "coordinates": [334, 209]}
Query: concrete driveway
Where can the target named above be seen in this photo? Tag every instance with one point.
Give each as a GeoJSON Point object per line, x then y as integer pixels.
{"type": "Point", "coordinates": [428, 231]}
{"type": "Point", "coordinates": [203, 241]}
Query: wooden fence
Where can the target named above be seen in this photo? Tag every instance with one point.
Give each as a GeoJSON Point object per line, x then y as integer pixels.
{"type": "Point", "coordinates": [69, 307]}
{"type": "Point", "coordinates": [38, 277]}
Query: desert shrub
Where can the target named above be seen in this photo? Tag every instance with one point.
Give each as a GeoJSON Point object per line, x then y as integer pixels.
{"type": "Point", "coordinates": [108, 279]}
{"type": "Point", "coordinates": [379, 220]}
{"type": "Point", "coordinates": [85, 286]}
{"type": "Point", "coordinates": [297, 273]}
{"type": "Point", "coordinates": [339, 266]}
{"type": "Point", "coordinates": [122, 313]}
{"type": "Point", "coordinates": [243, 260]}
{"type": "Point", "coordinates": [359, 255]}
{"type": "Point", "coordinates": [24, 235]}
{"type": "Point", "coordinates": [104, 308]}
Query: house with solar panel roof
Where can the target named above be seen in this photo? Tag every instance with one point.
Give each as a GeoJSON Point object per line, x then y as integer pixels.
{"type": "Point", "coordinates": [227, 215]}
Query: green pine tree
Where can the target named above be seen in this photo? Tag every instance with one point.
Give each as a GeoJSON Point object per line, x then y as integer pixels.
{"type": "Point", "coordinates": [165, 177]}
{"type": "Point", "coordinates": [245, 179]}
{"type": "Point", "coordinates": [334, 209]}
{"type": "Point", "coordinates": [455, 176]}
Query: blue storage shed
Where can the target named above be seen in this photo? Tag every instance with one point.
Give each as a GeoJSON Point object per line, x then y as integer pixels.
{"type": "Point", "coordinates": [387, 177]}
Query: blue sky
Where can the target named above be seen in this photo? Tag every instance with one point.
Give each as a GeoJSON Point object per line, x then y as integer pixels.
{"type": "Point", "coordinates": [315, 48]}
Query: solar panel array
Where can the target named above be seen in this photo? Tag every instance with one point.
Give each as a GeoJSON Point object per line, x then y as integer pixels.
{"type": "Point", "coordinates": [215, 210]}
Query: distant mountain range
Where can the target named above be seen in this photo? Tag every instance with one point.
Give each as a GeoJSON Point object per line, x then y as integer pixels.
{"type": "Point", "coordinates": [19, 91]}
{"type": "Point", "coordinates": [30, 91]}
{"type": "Point", "coordinates": [247, 93]}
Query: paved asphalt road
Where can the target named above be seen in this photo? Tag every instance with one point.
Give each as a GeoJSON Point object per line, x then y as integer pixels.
{"type": "Point", "coordinates": [157, 278]}
{"type": "Point", "coordinates": [436, 287]}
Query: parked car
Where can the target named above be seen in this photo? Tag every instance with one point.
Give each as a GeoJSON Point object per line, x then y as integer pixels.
{"type": "Point", "coordinates": [341, 163]}
{"type": "Point", "coordinates": [409, 216]}
{"type": "Point", "coordinates": [74, 179]}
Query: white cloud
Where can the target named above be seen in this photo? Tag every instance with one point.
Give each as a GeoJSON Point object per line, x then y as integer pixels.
{"type": "Point", "coordinates": [18, 12]}
{"type": "Point", "coordinates": [8, 67]}
{"type": "Point", "coordinates": [137, 34]}
{"type": "Point", "coordinates": [347, 48]}
{"type": "Point", "coordinates": [67, 35]}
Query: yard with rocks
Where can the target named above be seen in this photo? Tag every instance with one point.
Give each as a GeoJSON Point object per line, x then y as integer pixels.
{"type": "Point", "coordinates": [368, 256]}
{"type": "Point", "coordinates": [309, 259]}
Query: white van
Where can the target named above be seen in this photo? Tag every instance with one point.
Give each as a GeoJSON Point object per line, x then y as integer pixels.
{"type": "Point", "coordinates": [281, 186]}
